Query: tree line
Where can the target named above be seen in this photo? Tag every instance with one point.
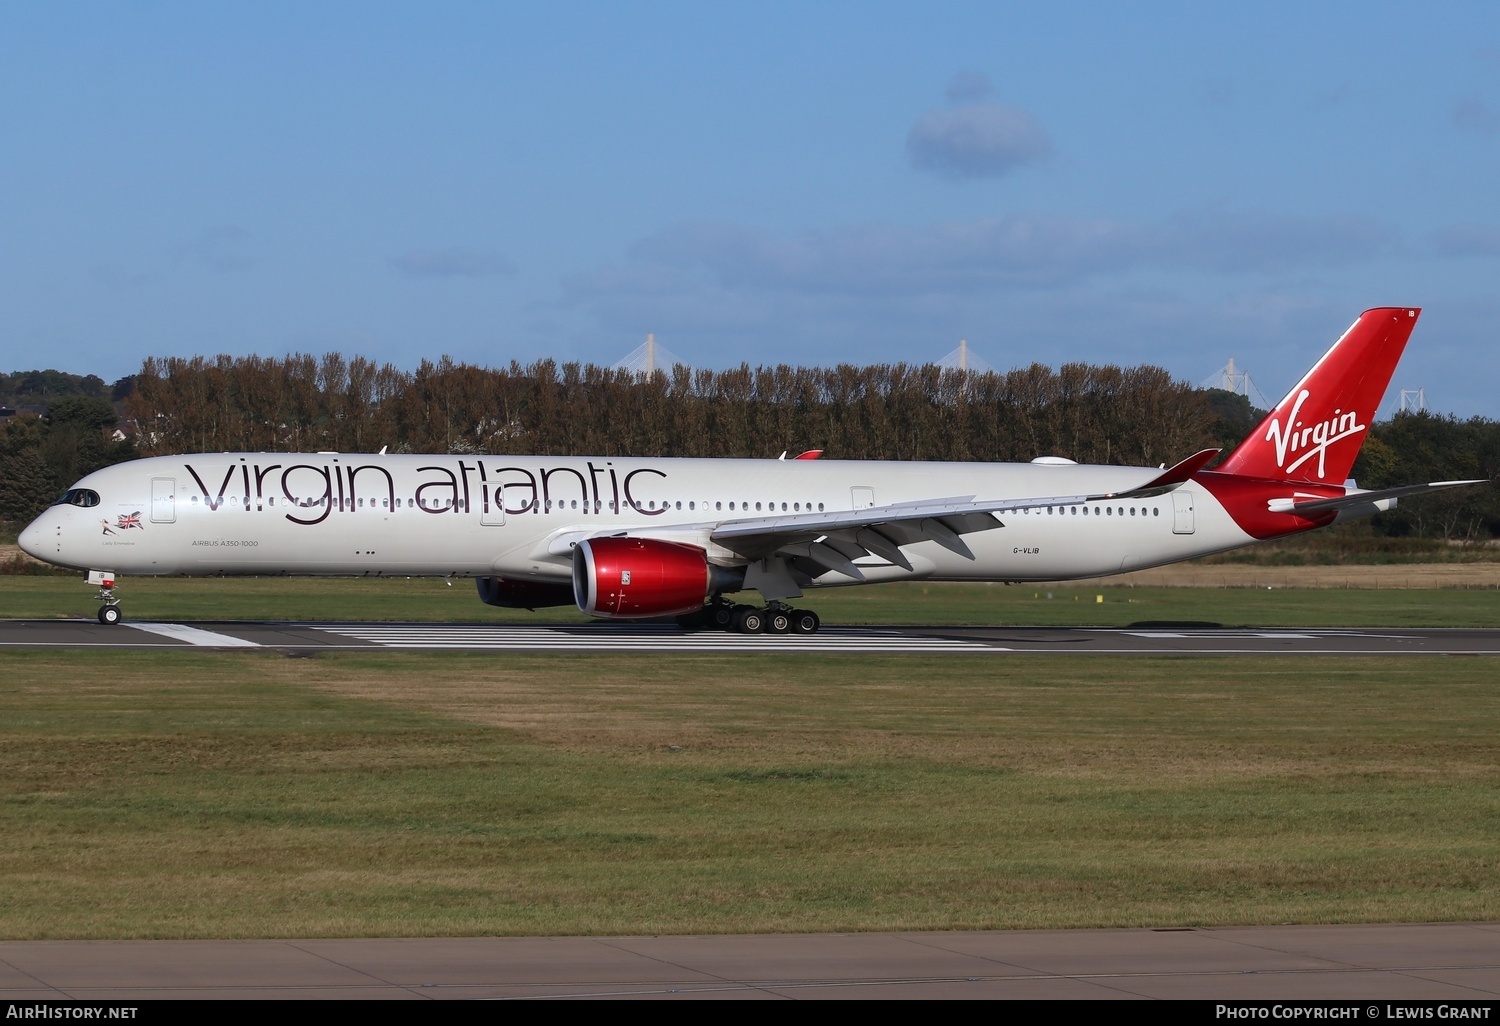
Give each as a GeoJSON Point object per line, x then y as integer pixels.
{"type": "Point", "coordinates": [883, 412]}
{"type": "Point", "coordinates": [1092, 414]}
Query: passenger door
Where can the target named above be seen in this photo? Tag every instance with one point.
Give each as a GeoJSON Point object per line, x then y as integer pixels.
{"type": "Point", "coordinates": [163, 500]}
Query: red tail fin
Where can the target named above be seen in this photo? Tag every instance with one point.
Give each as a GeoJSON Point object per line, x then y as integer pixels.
{"type": "Point", "coordinates": [1315, 432]}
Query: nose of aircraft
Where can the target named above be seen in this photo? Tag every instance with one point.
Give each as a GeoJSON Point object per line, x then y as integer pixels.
{"type": "Point", "coordinates": [31, 539]}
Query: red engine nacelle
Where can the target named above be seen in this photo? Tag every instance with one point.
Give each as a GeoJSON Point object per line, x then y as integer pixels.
{"type": "Point", "coordinates": [638, 577]}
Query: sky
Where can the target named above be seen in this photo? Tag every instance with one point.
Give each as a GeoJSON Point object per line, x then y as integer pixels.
{"type": "Point", "coordinates": [800, 183]}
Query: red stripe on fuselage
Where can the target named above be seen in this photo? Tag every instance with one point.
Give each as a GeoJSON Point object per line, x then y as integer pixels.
{"type": "Point", "coordinates": [1246, 498]}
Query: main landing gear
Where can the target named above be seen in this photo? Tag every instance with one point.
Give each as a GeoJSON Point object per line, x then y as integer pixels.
{"type": "Point", "coordinates": [774, 618]}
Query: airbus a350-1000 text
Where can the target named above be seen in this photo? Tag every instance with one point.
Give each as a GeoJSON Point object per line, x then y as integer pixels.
{"type": "Point", "coordinates": [635, 538]}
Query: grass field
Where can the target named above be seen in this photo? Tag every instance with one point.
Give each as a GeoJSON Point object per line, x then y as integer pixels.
{"type": "Point", "coordinates": [191, 794]}
{"type": "Point", "coordinates": [1028, 605]}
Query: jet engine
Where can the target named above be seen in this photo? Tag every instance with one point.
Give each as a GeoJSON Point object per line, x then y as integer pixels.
{"type": "Point", "coordinates": [621, 578]}
{"type": "Point", "coordinates": [499, 591]}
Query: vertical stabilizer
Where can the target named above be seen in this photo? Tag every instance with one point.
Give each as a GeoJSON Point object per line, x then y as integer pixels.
{"type": "Point", "coordinates": [1315, 433]}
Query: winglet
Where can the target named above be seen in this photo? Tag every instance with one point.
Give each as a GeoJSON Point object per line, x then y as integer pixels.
{"type": "Point", "coordinates": [1170, 478]}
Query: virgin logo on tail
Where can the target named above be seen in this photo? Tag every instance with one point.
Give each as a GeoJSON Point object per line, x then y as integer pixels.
{"type": "Point", "coordinates": [1310, 441]}
{"type": "Point", "coordinates": [1336, 400]}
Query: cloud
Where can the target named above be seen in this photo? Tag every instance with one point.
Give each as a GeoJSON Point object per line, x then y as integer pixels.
{"type": "Point", "coordinates": [1467, 239]}
{"type": "Point", "coordinates": [970, 87]}
{"type": "Point", "coordinates": [853, 292]}
{"type": "Point", "coordinates": [223, 248]}
{"type": "Point", "coordinates": [1474, 115]}
{"type": "Point", "coordinates": [453, 262]}
{"type": "Point", "coordinates": [976, 137]}
{"type": "Point", "coordinates": [981, 140]}
{"type": "Point", "coordinates": [1021, 251]}
{"type": "Point", "coordinates": [1263, 241]}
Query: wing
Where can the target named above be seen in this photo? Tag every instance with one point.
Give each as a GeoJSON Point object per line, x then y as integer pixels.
{"type": "Point", "coordinates": [835, 540]}
{"type": "Point", "coordinates": [814, 543]}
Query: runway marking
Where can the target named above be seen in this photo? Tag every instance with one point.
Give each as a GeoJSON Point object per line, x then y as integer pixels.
{"type": "Point", "coordinates": [1221, 634]}
{"type": "Point", "coordinates": [644, 638]}
{"type": "Point", "coordinates": [193, 635]}
{"type": "Point", "coordinates": [1258, 632]}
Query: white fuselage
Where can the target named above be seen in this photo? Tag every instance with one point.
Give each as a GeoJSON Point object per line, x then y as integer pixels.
{"type": "Point", "coordinates": [472, 516]}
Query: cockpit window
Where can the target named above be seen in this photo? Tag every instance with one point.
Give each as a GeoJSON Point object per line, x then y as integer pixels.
{"type": "Point", "coordinates": [78, 497]}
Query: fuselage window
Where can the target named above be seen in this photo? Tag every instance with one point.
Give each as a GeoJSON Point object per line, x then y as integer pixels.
{"type": "Point", "coordinates": [1109, 510]}
{"type": "Point", "coordinates": [820, 507]}
{"type": "Point", "coordinates": [1155, 511]}
{"type": "Point", "coordinates": [718, 505]}
{"type": "Point", "coordinates": [731, 507]}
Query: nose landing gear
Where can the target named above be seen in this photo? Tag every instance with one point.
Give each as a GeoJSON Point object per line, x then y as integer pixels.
{"type": "Point", "coordinates": [109, 613]}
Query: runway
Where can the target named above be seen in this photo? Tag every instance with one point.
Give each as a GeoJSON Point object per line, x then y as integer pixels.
{"type": "Point", "coordinates": [1145, 639]}
{"type": "Point", "coordinates": [1458, 962]}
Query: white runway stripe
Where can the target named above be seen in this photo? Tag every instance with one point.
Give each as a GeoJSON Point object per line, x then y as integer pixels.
{"type": "Point", "coordinates": [647, 637]}
{"type": "Point", "coordinates": [193, 635]}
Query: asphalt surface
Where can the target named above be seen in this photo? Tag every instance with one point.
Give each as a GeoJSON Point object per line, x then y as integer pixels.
{"type": "Point", "coordinates": [1446, 962]}
{"type": "Point", "coordinates": [1153, 639]}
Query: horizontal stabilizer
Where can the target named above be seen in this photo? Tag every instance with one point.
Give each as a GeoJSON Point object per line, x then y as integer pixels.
{"type": "Point", "coordinates": [1360, 498]}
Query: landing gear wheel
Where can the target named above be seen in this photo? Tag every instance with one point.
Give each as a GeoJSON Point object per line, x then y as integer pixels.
{"type": "Point", "coordinates": [720, 616]}
{"type": "Point", "coordinates": [109, 615]}
{"type": "Point", "coordinates": [749, 620]}
{"type": "Point", "coordinates": [805, 621]}
{"type": "Point", "coordinates": [778, 621]}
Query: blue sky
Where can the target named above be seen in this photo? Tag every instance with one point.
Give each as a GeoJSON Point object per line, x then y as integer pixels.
{"type": "Point", "coordinates": [801, 183]}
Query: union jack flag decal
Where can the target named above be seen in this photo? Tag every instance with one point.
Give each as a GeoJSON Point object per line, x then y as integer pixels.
{"type": "Point", "coordinates": [129, 520]}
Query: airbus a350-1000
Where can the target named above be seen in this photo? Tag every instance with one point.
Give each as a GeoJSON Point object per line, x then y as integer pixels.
{"type": "Point", "coordinates": [635, 538]}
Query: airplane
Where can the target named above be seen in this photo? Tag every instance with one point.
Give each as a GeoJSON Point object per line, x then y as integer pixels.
{"type": "Point", "coordinates": [631, 538]}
